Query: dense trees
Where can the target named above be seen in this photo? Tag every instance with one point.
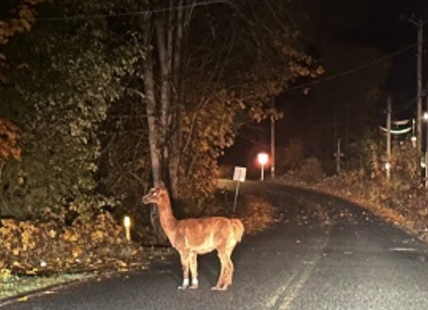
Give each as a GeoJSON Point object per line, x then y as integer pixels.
{"type": "Point", "coordinates": [63, 77]}
{"type": "Point", "coordinates": [213, 62]}
{"type": "Point", "coordinates": [113, 94]}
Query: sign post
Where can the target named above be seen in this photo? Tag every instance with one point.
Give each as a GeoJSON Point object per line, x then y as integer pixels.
{"type": "Point", "coordinates": [239, 176]}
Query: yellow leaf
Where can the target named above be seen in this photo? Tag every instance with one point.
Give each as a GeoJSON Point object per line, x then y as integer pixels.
{"type": "Point", "coordinates": [16, 264]}
{"type": "Point", "coordinates": [77, 252]}
{"type": "Point", "coordinates": [97, 235]}
{"type": "Point", "coordinates": [52, 233]}
{"type": "Point", "coordinates": [122, 264]}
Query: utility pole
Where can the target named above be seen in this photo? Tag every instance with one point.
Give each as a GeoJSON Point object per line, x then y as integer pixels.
{"type": "Point", "coordinates": [419, 24]}
{"type": "Point", "coordinates": [272, 142]}
{"type": "Point", "coordinates": [425, 118]}
{"type": "Point", "coordinates": [388, 139]}
{"type": "Point", "coordinates": [272, 147]}
{"type": "Point", "coordinates": [338, 156]}
{"type": "Point", "coordinates": [424, 150]}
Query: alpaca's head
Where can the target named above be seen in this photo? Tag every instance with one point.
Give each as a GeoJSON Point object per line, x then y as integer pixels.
{"type": "Point", "coordinates": [155, 195]}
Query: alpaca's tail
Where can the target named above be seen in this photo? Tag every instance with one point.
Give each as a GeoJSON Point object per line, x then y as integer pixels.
{"type": "Point", "coordinates": [238, 229]}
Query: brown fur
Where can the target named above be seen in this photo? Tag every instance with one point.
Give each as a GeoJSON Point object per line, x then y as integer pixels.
{"type": "Point", "coordinates": [194, 236]}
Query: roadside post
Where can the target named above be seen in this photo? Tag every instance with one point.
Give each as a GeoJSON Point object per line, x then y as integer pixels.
{"type": "Point", "coordinates": [239, 176]}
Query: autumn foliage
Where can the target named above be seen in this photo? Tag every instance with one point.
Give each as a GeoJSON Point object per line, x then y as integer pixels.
{"type": "Point", "coordinates": [32, 247]}
{"type": "Point", "coordinates": [9, 135]}
{"type": "Point", "coordinates": [23, 17]}
{"type": "Point", "coordinates": [257, 213]}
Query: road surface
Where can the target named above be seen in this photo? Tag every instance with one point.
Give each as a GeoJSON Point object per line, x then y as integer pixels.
{"type": "Point", "coordinates": [323, 253]}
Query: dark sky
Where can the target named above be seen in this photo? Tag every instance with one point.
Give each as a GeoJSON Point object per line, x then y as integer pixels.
{"type": "Point", "coordinates": [382, 24]}
{"type": "Point", "coordinates": [379, 23]}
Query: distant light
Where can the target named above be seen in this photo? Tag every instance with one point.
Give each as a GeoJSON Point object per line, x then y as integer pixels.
{"type": "Point", "coordinates": [127, 221]}
{"type": "Point", "coordinates": [262, 158]}
{"type": "Point", "coordinates": [388, 166]}
{"type": "Point", "coordinates": [413, 139]}
{"type": "Point", "coordinates": [425, 116]}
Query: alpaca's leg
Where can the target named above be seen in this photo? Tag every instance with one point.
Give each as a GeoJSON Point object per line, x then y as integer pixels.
{"type": "Point", "coordinates": [223, 263]}
{"type": "Point", "coordinates": [194, 270]}
{"type": "Point", "coordinates": [184, 257]}
{"type": "Point", "coordinates": [230, 268]}
{"type": "Point", "coordinates": [227, 269]}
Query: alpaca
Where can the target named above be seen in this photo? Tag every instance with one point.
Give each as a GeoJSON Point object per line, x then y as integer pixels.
{"type": "Point", "coordinates": [194, 236]}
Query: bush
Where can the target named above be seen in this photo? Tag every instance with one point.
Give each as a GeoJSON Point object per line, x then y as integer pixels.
{"type": "Point", "coordinates": [311, 171]}
{"type": "Point", "coordinates": [34, 247]}
{"type": "Point", "coordinates": [256, 213]}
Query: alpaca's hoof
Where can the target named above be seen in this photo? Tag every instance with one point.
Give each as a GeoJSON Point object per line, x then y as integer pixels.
{"type": "Point", "coordinates": [183, 287]}
{"type": "Point", "coordinates": [219, 288]}
{"type": "Point", "coordinates": [193, 286]}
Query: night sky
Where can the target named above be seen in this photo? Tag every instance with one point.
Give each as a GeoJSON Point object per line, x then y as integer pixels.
{"type": "Point", "coordinates": [379, 24]}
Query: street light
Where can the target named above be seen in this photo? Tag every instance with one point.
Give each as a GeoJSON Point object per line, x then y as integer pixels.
{"type": "Point", "coordinates": [263, 159]}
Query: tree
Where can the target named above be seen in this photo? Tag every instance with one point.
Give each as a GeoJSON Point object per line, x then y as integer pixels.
{"type": "Point", "coordinates": [344, 104]}
{"type": "Point", "coordinates": [20, 19]}
{"type": "Point", "coordinates": [193, 87]}
{"type": "Point", "coordinates": [9, 135]}
{"type": "Point", "coordinates": [250, 55]}
{"type": "Point", "coordinates": [250, 81]}
{"type": "Point", "coordinates": [63, 84]}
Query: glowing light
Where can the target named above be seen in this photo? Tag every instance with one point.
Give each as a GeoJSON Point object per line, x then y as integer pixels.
{"type": "Point", "coordinates": [263, 159]}
{"type": "Point", "coordinates": [387, 166]}
{"type": "Point", "coordinates": [127, 221]}
{"type": "Point", "coordinates": [127, 224]}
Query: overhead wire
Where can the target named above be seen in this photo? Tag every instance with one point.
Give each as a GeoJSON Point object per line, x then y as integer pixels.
{"type": "Point", "coordinates": [134, 13]}
{"type": "Point", "coordinates": [353, 70]}
{"type": "Point", "coordinates": [211, 2]}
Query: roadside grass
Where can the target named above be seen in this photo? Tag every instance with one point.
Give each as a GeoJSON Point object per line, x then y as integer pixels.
{"type": "Point", "coordinates": [13, 286]}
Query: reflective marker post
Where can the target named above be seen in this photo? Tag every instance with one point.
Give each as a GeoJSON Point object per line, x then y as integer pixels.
{"type": "Point", "coordinates": [238, 176]}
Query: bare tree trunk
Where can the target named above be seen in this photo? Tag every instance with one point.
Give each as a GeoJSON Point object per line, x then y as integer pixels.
{"type": "Point", "coordinates": [162, 38]}
{"type": "Point", "coordinates": [178, 108]}
{"type": "Point", "coordinates": [150, 101]}
{"type": "Point", "coordinates": [164, 105]}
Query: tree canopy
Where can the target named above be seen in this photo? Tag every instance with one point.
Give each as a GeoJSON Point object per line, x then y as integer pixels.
{"type": "Point", "coordinates": [113, 94]}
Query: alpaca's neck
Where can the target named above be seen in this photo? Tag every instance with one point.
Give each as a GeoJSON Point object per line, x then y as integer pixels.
{"type": "Point", "coordinates": [167, 219]}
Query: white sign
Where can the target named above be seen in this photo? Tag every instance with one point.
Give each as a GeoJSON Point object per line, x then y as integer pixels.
{"type": "Point", "coordinates": [239, 174]}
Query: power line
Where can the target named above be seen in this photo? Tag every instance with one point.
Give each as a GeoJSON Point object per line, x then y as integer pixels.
{"type": "Point", "coordinates": [350, 71]}
{"type": "Point", "coordinates": [406, 105]}
{"type": "Point", "coordinates": [134, 13]}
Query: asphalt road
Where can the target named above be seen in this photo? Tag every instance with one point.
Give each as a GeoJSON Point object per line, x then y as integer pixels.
{"type": "Point", "coordinates": [323, 253]}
